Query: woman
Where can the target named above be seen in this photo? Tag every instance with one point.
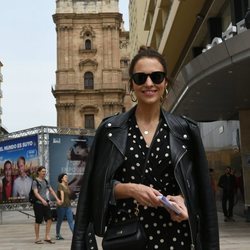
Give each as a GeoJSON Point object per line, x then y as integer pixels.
{"type": "Point", "coordinates": [64, 210]}
{"type": "Point", "coordinates": [139, 155]}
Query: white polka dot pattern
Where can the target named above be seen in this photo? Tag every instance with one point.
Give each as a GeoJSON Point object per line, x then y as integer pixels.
{"type": "Point", "coordinates": [154, 162]}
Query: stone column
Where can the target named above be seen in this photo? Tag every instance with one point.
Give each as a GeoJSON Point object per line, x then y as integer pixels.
{"type": "Point", "coordinates": [115, 48]}
{"type": "Point", "coordinates": [66, 48]}
{"type": "Point", "coordinates": [71, 115]}
{"type": "Point", "coordinates": [105, 47]}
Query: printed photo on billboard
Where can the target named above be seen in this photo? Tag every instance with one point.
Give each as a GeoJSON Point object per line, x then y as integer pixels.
{"type": "Point", "coordinates": [68, 154]}
{"type": "Point", "coordinates": [18, 164]}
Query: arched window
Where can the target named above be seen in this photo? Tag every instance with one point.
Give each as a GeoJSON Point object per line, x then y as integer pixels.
{"type": "Point", "coordinates": [88, 44]}
{"type": "Point", "coordinates": [88, 80]}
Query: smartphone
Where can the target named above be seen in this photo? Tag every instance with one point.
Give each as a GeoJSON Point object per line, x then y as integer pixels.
{"type": "Point", "coordinates": [168, 204]}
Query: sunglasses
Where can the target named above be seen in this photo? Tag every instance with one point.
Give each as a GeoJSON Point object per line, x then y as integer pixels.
{"type": "Point", "coordinates": [156, 77]}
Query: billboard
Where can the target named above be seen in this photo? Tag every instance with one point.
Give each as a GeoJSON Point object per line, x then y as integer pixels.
{"type": "Point", "coordinates": [68, 154]}
{"type": "Point", "coordinates": [18, 164]}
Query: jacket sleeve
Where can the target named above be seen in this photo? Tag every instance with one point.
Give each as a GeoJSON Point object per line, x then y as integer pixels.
{"type": "Point", "coordinates": [209, 222]}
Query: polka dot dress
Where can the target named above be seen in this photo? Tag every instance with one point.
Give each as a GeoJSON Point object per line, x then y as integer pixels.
{"type": "Point", "coordinates": [155, 162]}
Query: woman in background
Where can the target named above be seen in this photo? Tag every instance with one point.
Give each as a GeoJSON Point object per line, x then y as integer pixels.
{"type": "Point", "coordinates": [63, 210]}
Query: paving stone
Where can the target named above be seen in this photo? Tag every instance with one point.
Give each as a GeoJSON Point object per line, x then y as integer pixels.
{"type": "Point", "coordinates": [17, 233]}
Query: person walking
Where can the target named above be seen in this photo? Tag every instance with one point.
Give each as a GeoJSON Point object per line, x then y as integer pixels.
{"type": "Point", "coordinates": [64, 210]}
{"type": "Point", "coordinates": [41, 206]}
{"type": "Point", "coordinates": [227, 182]}
{"type": "Point", "coordinates": [139, 155]}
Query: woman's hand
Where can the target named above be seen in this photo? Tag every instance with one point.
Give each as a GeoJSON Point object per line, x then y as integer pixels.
{"type": "Point", "coordinates": [179, 203]}
{"type": "Point", "coordinates": [144, 195]}
{"type": "Point", "coordinates": [59, 202]}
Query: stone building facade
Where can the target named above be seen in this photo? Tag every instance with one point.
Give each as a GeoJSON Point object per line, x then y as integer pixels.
{"type": "Point", "coordinates": [92, 62]}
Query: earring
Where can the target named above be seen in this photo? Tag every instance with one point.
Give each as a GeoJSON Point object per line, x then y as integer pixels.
{"type": "Point", "coordinates": [132, 96]}
{"type": "Point", "coordinates": [163, 97]}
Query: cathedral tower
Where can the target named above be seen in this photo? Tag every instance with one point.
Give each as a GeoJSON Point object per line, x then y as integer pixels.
{"type": "Point", "coordinates": [91, 47]}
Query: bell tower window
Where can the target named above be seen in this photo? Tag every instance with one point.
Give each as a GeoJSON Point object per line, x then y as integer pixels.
{"type": "Point", "coordinates": [88, 80]}
{"type": "Point", "coordinates": [88, 44]}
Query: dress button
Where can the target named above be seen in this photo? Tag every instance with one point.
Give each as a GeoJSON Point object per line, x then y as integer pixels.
{"type": "Point", "coordinates": [110, 134]}
{"type": "Point", "coordinates": [183, 146]}
{"type": "Point", "coordinates": [109, 124]}
{"type": "Point", "coordinates": [185, 136]}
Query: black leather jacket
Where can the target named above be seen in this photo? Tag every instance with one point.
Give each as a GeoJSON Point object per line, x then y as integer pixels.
{"type": "Point", "coordinates": [191, 172]}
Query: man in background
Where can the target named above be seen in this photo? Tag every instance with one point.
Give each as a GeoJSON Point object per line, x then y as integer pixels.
{"type": "Point", "coordinates": [227, 182]}
{"type": "Point", "coordinates": [42, 210]}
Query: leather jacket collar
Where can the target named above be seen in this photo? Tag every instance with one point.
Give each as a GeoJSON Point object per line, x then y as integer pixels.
{"type": "Point", "coordinates": [118, 125]}
{"type": "Point", "coordinates": [120, 121]}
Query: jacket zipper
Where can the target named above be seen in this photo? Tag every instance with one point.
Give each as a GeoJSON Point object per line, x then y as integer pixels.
{"type": "Point", "coordinates": [179, 159]}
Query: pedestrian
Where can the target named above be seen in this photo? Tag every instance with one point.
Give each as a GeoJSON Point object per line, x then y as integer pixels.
{"type": "Point", "coordinates": [64, 210]}
{"type": "Point", "coordinates": [41, 206]}
{"type": "Point", "coordinates": [140, 155]}
{"type": "Point", "coordinates": [227, 182]}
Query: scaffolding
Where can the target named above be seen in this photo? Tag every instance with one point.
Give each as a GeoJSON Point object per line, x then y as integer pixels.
{"type": "Point", "coordinates": [43, 133]}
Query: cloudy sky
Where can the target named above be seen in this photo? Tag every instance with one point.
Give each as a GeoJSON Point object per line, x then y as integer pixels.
{"type": "Point", "coordinates": [28, 53]}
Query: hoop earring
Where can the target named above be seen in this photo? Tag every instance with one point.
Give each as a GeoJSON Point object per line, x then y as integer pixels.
{"type": "Point", "coordinates": [132, 96]}
{"type": "Point", "coordinates": [163, 97]}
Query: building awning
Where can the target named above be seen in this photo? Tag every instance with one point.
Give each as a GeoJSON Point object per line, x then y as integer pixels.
{"type": "Point", "coordinates": [216, 84]}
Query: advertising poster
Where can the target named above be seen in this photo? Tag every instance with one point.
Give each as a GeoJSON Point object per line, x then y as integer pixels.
{"type": "Point", "coordinates": [68, 154]}
{"type": "Point", "coordinates": [18, 164]}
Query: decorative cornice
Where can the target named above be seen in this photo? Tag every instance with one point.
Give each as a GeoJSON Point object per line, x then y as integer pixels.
{"type": "Point", "coordinates": [112, 103]}
{"type": "Point", "coordinates": [66, 105]}
{"type": "Point", "coordinates": [87, 29]}
{"type": "Point", "coordinates": [88, 62]}
{"type": "Point", "coordinates": [89, 109]}
{"type": "Point", "coordinates": [110, 26]}
{"type": "Point", "coordinates": [64, 28]}
{"type": "Point", "coordinates": [88, 51]}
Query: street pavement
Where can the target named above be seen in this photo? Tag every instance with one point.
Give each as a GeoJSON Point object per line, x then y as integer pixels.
{"type": "Point", "coordinates": [17, 233]}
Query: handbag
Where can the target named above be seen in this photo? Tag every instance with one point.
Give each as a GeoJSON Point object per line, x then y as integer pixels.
{"type": "Point", "coordinates": [125, 235]}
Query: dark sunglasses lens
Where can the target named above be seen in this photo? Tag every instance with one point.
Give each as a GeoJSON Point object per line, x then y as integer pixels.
{"type": "Point", "coordinates": [157, 77]}
{"type": "Point", "coordinates": [139, 78]}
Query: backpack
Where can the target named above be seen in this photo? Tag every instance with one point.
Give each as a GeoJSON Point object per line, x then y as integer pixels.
{"type": "Point", "coordinates": [32, 197]}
